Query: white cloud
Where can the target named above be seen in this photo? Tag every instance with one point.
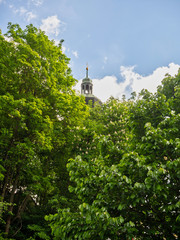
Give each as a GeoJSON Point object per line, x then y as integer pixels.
{"type": "Point", "coordinates": [52, 25]}
{"type": "Point", "coordinates": [109, 85]}
{"type": "Point", "coordinates": [37, 2]}
{"type": "Point", "coordinates": [75, 53]}
{"type": "Point", "coordinates": [136, 82]}
{"type": "Point", "coordinates": [28, 15]}
{"type": "Point", "coordinates": [105, 59]}
{"type": "Point", "coordinates": [104, 88]}
{"type": "Point", "coordinates": [21, 11]}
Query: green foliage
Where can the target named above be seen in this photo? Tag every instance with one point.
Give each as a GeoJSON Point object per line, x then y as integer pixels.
{"type": "Point", "coordinates": [105, 132]}
{"type": "Point", "coordinates": [123, 175]}
{"type": "Point", "coordinates": [149, 108]}
{"type": "Point", "coordinates": [132, 192]}
{"type": "Point", "coordinates": [39, 114]}
{"type": "Point", "coordinates": [40, 232]}
{"type": "Point", "coordinates": [171, 89]}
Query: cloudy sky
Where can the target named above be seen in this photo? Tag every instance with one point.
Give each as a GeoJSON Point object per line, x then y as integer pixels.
{"type": "Point", "coordinates": [128, 44]}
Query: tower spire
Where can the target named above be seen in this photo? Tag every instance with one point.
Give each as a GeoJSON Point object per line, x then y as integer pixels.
{"type": "Point", "coordinates": [87, 70]}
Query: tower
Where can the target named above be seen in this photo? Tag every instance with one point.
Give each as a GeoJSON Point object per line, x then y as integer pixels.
{"type": "Point", "coordinates": [87, 86]}
{"type": "Point", "coordinates": [87, 90]}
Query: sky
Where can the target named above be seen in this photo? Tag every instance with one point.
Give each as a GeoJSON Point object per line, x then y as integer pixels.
{"type": "Point", "coordinates": [128, 44]}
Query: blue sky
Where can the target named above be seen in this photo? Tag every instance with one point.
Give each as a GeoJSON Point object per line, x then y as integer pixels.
{"type": "Point", "coordinates": [128, 44]}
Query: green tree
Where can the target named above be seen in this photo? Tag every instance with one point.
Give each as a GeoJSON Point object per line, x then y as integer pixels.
{"type": "Point", "coordinates": [148, 108]}
{"type": "Point", "coordinates": [136, 195]}
{"type": "Point", "coordinates": [106, 132]}
{"type": "Point", "coordinates": [171, 89]}
{"type": "Point", "coordinates": [39, 114]}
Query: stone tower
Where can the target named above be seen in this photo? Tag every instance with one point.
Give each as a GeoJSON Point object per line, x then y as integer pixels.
{"type": "Point", "coordinates": [87, 90]}
{"type": "Point", "coordinates": [87, 86]}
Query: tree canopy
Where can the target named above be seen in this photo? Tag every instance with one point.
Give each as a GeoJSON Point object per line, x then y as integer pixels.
{"type": "Point", "coordinates": [69, 171]}
{"type": "Point", "coordinates": [39, 114]}
{"type": "Point", "coordinates": [129, 186]}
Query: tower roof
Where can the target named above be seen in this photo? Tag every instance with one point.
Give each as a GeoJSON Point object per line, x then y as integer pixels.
{"type": "Point", "coordinates": [87, 79]}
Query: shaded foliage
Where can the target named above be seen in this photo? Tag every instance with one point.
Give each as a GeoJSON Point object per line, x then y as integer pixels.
{"type": "Point", "coordinates": [132, 192]}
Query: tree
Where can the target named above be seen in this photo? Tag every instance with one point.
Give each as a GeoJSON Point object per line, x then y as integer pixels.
{"type": "Point", "coordinates": [171, 89]}
{"type": "Point", "coordinates": [39, 114]}
{"type": "Point", "coordinates": [105, 132]}
{"type": "Point", "coordinates": [136, 195]}
{"type": "Point", "coordinates": [149, 108]}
